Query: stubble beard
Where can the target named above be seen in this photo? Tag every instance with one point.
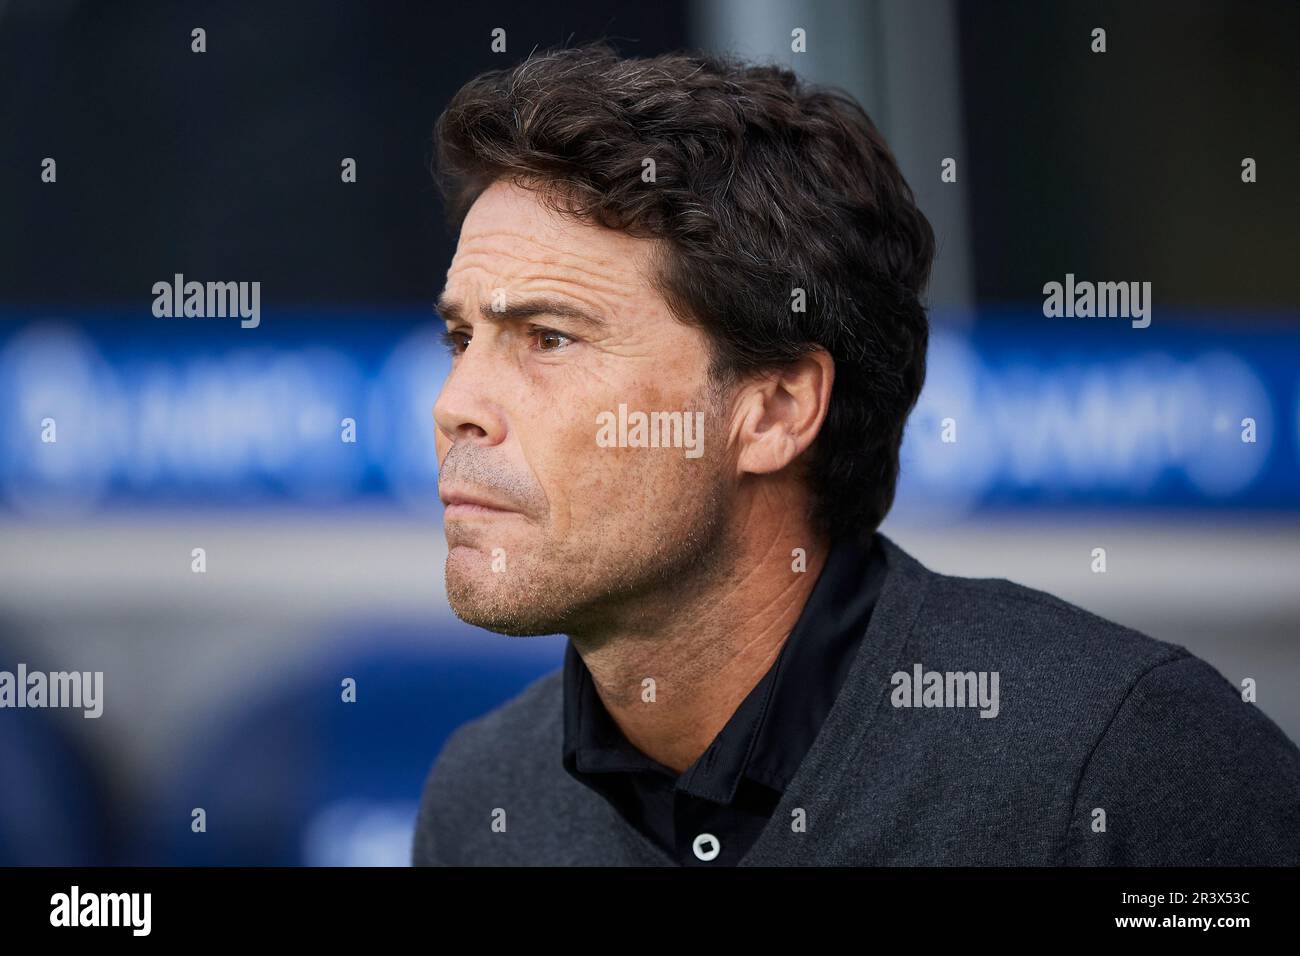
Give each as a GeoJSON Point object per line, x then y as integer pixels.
{"type": "Point", "coordinates": [553, 590]}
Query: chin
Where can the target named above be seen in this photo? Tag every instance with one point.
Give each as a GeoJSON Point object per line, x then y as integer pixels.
{"type": "Point", "coordinates": [498, 618]}
{"type": "Point", "coordinates": [484, 599]}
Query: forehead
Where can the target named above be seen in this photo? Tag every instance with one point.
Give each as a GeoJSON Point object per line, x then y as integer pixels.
{"type": "Point", "coordinates": [510, 234]}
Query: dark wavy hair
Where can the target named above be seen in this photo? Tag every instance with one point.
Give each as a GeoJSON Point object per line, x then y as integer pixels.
{"type": "Point", "coordinates": [763, 184]}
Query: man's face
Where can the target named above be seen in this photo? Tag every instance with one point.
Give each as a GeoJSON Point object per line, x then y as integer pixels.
{"type": "Point", "coordinates": [580, 529]}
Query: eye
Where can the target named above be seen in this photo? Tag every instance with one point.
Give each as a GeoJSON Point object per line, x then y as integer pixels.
{"type": "Point", "coordinates": [547, 336]}
{"type": "Point", "coordinates": [452, 340]}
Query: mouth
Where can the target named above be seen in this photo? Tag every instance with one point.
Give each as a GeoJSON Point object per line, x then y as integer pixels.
{"type": "Point", "coordinates": [465, 504]}
{"type": "Point", "coordinates": [470, 510]}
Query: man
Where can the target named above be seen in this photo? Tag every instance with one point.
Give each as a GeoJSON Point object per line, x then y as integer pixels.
{"type": "Point", "coordinates": [686, 328]}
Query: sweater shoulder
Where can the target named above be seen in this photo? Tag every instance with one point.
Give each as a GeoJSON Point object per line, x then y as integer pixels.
{"type": "Point", "coordinates": [1029, 624]}
{"type": "Point", "coordinates": [1189, 770]}
{"type": "Point", "coordinates": [510, 731]}
{"type": "Point", "coordinates": [485, 761]}
{"type": "Point", "coordinates": [1063, 671]}
{"type": "Point", "coordinates": [519, 721]}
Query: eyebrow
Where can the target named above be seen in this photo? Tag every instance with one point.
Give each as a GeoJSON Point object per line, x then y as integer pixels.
{"type": "Point", "coordinates": [451, 311]}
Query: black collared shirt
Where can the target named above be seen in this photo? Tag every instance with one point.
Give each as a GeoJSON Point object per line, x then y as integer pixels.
{"type": "Point", "coordinates": [723, 800]}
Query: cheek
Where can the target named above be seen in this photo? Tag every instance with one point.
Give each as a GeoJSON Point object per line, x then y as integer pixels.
{"type": "Point", "coordinates": [587, 487]}
{"type": "Point", "coordinates": [560, 451]}
{"type": "Point", "coordinates": [592, 486]}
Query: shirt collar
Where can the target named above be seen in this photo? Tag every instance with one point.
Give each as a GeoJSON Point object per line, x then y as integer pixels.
{"type": "Point", "coordinates": [771, 731]}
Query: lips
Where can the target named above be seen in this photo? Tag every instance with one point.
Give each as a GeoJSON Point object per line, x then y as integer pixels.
{"type": "Point", "coordinates": [465, 503]}
{"type": "Point", "coordinates": [469, 511]}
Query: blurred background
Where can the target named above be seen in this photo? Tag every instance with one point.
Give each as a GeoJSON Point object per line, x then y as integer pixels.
{"type": "Point", "coordinates": [324, 558]}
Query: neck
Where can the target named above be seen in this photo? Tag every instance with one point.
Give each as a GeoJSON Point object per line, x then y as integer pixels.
{"type": "Point", "coordinates": [705, 645]}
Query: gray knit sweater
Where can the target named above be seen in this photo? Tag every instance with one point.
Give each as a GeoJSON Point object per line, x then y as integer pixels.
{"type": "Point", "coordinates": [1107, 748]}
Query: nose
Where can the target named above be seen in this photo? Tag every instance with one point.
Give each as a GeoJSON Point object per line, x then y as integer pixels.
{"type": "Point", "coordinates": [468, 406]}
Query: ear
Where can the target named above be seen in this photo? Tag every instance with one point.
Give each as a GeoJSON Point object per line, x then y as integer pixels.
{"type": "Point", "coordinates": [781, 413]}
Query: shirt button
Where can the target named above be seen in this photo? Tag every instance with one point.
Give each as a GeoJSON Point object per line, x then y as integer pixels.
{"type": "Point", "coordinates": [706, 847]}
